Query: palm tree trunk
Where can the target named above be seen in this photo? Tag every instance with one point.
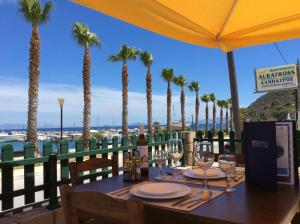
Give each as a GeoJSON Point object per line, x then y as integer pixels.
{"type": "Point", "coordinates": [221, 119]}
{"type": "Point", "coordinates": [34, 73]}
{"type": "Point", "coordinates": [197, 111]}
{"type": "Point", "coordinates": [206, 118]}
{"type": "Point", "coordinates": [230, 121]}
{"type": "Point", "coordinates": [125, 100]}
{"type": "Point", "coordinates": [182, 100]}
{"type": "Point", "coordinates": [214, 116]}
{"type": "Point", "coordinates": [87, 98]}
{"type": "Point", "coordinates": [226, 121]}
{"type": "Point", "coordinates": [149, 101]}
{"type": "Point", "coordinates": [169, 98]}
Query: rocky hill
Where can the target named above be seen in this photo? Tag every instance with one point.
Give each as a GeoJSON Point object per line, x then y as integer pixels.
{"type": "Point", "coordinates": [271, 106]}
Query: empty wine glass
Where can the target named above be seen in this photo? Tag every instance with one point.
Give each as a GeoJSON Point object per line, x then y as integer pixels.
{"type": "Point", "coordinates": [175, 151]}
{"type": "Point", "coordinates": [160, 157]}
{"type": "Point", "coordinates": [227, 164]}
{"type": "Point", "coordinates": [204, 157]}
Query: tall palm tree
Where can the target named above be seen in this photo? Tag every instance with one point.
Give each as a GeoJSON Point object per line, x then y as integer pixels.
{"type": "Point", "coordinates": [221, 105]}
{"type": "Point", "coordinates": [168, 75]}
{"type": "Point", "coordinates": [212, 99]}
{"type": "Point", "coordinates": [181, 81]}
{"type": "Point", "coordinates": [230, 112]}
{"type": "Point", "coordinates": [35, 15]}
{"type": "Point", "coordinates": [194, 86]}
{"type": "Point", "coordinates": [147, 59]}
{"type": "Point", "coordinates": [205, 99]}
{"type": "Point", "coordinates": [86, 39]}
{"type": "Point", "coordinates": [226, 106]}
{"type": "Point", "coordinates": [124, 55]}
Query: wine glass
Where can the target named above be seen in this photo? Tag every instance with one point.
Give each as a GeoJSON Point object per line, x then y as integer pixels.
{"type": "Point", "coordinates": [175, 151]}
{"type": "Point", "coordinates": [227, 164]}
{"type": "Point", "coordinates": [204, 158]}
{"type": "Point", "coordinates": [160, 157]}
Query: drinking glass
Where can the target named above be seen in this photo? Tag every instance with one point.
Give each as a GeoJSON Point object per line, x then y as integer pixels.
{"type": "Point", "coordinates": [227, 164]}
{"type": "Point", "coordinates": [160, 157]}
{"type": "Point", "coordinates": [204, 158]}
{"type": "Point", "coordinates": [175, 151]}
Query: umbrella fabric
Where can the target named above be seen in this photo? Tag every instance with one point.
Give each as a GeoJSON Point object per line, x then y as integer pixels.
{"type": "Point", "coordinates": [224, 24]}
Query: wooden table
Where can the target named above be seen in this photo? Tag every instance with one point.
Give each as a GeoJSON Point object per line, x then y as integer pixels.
{"type": "Point", "coordinates": [248, 204]}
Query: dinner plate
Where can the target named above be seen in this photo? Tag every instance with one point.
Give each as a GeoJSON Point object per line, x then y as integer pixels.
{"type": "Point", "coordinates": [183, 191]}
{"type": "Point", "coordinates": [209, 173]}
{"type": "Point", "coordinates": [218, 174]}
{"type": "Point", "coordinates": [158, 189]}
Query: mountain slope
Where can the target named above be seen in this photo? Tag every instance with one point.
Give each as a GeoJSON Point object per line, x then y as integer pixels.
{"type": "Point", "coordinates": [271, 106]}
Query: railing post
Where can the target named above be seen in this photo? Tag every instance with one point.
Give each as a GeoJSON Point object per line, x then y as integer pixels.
{"type": "Point", "coordinates": [149, 142]}
{"type": "Point", "coordinates": [221, 141]}
{"type": "Point", "coordinates": [7, 154]}
{"type": "Point", "coordinates": [199, 136]}
{"type": "Point", "coordinates": [210, 138]}
{"type": "Point", "coordinates": [104, 144]}
{"type": "Point", "coordinates": [47, 150]}
{"type": "Point", "coordinates": [79, 148]}
{"type": "Point", "coordinates": [92, 146]}
{"type": "Point", "coordinates": [232, 141]}
{"type": "Point", "coordinates": [124, 141]}
{"type": "Point", "coordinates": [133, 140]}
{"type": "Point", "coordinates": [64, 164]}
{"type": "Point", "coordinates": [29, 174]}
{"type": "Point", "coordinates": [53, 201]}
{"type": "Point", "coordinates": [115, 144]}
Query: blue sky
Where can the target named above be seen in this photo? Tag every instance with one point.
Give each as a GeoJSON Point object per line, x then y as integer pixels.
{"type": "Point", "coordinates": [61, 66]}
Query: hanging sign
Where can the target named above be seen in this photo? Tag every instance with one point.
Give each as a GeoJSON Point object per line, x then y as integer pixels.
{"type": "Point", "coordinates": [276, 78]}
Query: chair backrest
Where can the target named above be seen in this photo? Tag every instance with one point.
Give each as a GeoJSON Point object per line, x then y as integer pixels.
{"type": "Point", "coordinates": [79, 205]}
{"type": "Point", "coordinates": [92, 164]}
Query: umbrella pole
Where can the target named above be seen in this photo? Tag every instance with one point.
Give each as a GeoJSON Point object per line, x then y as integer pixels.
{"type": "Point", "coordinates": [234, 97]}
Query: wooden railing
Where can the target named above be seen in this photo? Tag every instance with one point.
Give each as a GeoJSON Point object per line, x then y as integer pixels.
{"type": "Point", "coordinates": [49, 161]}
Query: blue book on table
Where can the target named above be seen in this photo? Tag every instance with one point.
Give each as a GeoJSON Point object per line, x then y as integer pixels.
{"type": "Point", "coordinates": [260, 154]}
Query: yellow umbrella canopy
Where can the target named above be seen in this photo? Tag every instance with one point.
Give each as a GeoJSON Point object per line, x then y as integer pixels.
{"type": "Point", "coordinates": [224, 24]}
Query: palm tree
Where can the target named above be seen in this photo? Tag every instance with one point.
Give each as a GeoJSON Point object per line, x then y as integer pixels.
{"type": "Point", "coordinates": [221, 105]}
{"type": "Point", "coordinates": [181, 81]}
{"type": "Point", "coordinates": [226, 106]}
{"type": "Point", "coordinates": [194, 86]}
{"type": "Point", "coordinates": [86, 39]}
{"type": "Point", "coordinates": [35, 15]}
{"type": "Point", "coordinates": [147, 59]}
{"type": "Point", "coordinates": [168, 75]}
{"type": "Point", "coordinates": [124, 55]}
{"type": "Point", "coordinates": [230, 112]}
{"type": "Point", "coordinates": [205, 98]}
{"type": "Point", "coordinates": [212, 99]}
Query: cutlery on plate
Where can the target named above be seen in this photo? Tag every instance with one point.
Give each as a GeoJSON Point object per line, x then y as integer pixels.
{"type": "Point", "coordinates": [195, 202]}
{"type": "Point", "coordinates": [119, 191]}
{"type": "Point", "coordinates": [183, 200]}
{"type": "Point", "coordinates": [123, 193]}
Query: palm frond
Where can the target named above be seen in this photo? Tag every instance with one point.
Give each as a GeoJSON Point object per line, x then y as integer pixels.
{"type": "Point", "coordinates": [46, 12]}
{"type": "Point", "coordinates": [167, 74]}
{"type": "Point", "coordinates": [84, 37]}
{"type": "Point", "coordinates": [146, 58]}
{"type": "Point", "coordinates": [33, 12]}
{"type": "Point", "coordinates": [205, 98]}
{"type": "Point", "coordinates": [114, 58]}
{"type": "Point", "coordinates": [194, 86]}
{"type": "Point", "coordinates": [220, 103]}
{"type": "Point", "coordinates": [212, 97]}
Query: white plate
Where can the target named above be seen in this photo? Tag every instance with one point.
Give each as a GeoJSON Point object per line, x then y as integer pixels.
{"type": "Point", "coordinates": [183, 191]}
{"type": "Point", "coordinates": [191, 174]}
{"type": "Point", "coordinates": [158, 189]}
{"type": "Point", "coordinates": [209, 173]}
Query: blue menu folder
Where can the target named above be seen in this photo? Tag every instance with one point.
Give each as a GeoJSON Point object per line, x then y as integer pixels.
{"type": "Point", "coordinates": [260, 154]}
